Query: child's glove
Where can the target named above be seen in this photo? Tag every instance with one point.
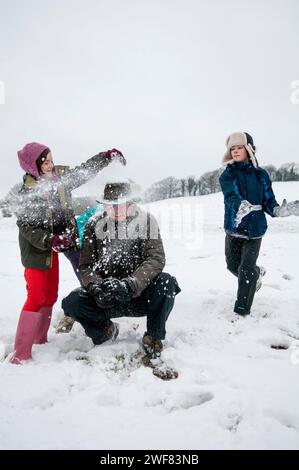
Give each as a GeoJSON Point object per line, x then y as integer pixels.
{"type": "Point", "coordinates": [244, 209]}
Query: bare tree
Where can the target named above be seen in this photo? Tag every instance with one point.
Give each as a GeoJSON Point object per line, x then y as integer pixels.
{"type": "Point", "coordinates": [190, 184]}
{"type": "Point", "coordinates": [165, 189]}
{"type": "Point", "coordinates": [288, 172]}
{"type": "Point", "coordinates": [272, 172]}
{"type": "Point", "coordinates": [209, 182]}
{"type": "Point", "coordinates": [183, 186]}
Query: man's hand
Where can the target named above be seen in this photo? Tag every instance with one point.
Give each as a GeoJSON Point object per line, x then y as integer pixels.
{"type": "Point", "coordinates": [245, 209]}
{"type": "Point", "coordinates": [103, 300]}
{"type": "Point", "coordinates": [120, 290]}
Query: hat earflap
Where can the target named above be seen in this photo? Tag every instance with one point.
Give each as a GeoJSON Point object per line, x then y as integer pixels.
{"type": "Point", "coordinates": [251, 152]}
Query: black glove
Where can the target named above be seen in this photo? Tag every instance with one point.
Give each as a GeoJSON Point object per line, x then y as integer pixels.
{"type": "Point", "coordinates": [103, 299]}
{"type": "Point", "coordinates": [119, 290]}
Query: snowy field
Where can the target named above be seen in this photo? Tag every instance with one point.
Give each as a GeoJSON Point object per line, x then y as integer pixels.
{"type": "Point", "coordinates": [239, 380]}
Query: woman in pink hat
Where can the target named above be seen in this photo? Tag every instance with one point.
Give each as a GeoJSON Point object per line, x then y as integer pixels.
{"type": "Point", "coordinates": [47, 226]}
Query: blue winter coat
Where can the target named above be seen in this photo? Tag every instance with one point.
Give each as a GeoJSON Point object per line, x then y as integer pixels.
{"type": "Point", "coordinates": [239, 181]}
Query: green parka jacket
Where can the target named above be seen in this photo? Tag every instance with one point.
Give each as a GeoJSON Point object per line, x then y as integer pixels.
{"type": "Point", "coordinates": [131, 249]}
{"type": "Point", "coordinates": [34, 214]}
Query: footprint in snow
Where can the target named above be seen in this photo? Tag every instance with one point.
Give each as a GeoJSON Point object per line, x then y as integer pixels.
{"type": "Point", "coordinates": [231, 421]}
{"type": "Point", "coordinates": [287, 277]}
{"type": "Point", "coordinates": [182, 400]}
{"type": "Point", "coordinates": [291, 334]}
{"type": "Point", "coordinates": [273, 286]}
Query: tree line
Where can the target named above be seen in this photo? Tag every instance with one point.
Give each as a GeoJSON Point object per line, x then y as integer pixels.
{"type": "Point", "coordinates": [208, 183]}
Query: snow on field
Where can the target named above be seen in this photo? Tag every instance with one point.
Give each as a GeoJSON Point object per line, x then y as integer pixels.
{"type": "Point", "coordinates": [239, 379]}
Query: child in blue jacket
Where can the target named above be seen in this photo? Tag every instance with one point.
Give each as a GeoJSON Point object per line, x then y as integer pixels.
{"type": "Point", "coordinates": [248, 194]}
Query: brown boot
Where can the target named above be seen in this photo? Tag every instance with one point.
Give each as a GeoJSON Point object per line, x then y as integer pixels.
{"type": "Point", "coordinates": [153, 347]}
{"type": "Point", "coordinates": [65, 325]}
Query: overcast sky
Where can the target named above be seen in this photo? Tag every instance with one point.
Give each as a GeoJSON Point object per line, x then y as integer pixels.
{"type": "Point", "coordinates": [165, 81]}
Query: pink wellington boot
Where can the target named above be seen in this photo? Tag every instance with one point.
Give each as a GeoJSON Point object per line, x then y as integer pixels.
{"type": "Point", "coordinates": [26, 331]}
{"type": "Point", "coordinates": [44, 314]}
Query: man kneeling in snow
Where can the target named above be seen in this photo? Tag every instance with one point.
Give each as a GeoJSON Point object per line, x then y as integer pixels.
{"type": "Point", "coordinates": [121, 266]}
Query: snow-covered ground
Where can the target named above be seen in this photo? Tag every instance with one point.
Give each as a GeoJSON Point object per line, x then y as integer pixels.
{"type": "Point", "coordinates": [235, 389]}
